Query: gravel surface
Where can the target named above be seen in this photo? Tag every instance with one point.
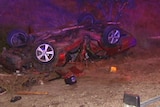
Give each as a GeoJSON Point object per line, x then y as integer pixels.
{"type": "Point", "coordinates": [98, 87]}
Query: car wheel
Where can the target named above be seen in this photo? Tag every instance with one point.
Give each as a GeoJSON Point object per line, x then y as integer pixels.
{"type": "Point", "coordinates": [45, 53]}
{"type": "Point", "coordinates": [111, 36]}
{"type": "Point", "coordinates": [86, 18]}
{"type": "Point", "coordinates": [17, 38]}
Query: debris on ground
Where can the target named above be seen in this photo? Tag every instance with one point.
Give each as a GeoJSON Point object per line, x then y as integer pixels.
{"type": "Point", "coordinates": [31, 93]}
{"type": "Point", "coordinates": [70, 80]}
{"type": "Point", "coordinates": [16, 98]}
{"type": "Point", "coordinates": [2, 90]}
{"type": "Point", "coordinates": [113, 69]}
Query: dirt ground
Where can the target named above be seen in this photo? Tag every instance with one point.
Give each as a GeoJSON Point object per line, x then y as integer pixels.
{"type": "Point", "coordinates": [137, 73]}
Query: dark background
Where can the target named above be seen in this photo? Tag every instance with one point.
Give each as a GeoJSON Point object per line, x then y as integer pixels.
{"type": "Point", "coordinates": [142, 19]}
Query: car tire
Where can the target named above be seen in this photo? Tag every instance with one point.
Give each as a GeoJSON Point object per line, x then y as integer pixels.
{"type": "Point", "coordinates": [86, 18]}
{"type": "Point", "coordinates": [111, 36]}
{"type": "Point", "coordinates": [17, 38]}
{"type": "Point", "coordinates": [45, 53]}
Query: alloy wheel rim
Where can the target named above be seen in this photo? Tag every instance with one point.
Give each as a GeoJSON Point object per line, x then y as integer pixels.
{"type": "Point", "coordinates": [45, 52]}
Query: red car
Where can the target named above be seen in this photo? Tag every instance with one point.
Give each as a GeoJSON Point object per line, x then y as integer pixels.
{"type": "Point", "coordinates": [58, 47]}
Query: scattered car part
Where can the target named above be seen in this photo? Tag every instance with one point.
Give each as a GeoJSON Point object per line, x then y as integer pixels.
{"type": "Point", "coordinates": [71, 80]}
{"type": "Point", "coordinates": [133, 100]}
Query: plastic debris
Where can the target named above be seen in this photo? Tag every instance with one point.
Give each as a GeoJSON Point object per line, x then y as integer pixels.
{"type": "Point", "coordinates": [113, 69]}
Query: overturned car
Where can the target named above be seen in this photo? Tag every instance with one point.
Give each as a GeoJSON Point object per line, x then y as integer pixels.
{"type": "Point", "coordinates": [55, 48]}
